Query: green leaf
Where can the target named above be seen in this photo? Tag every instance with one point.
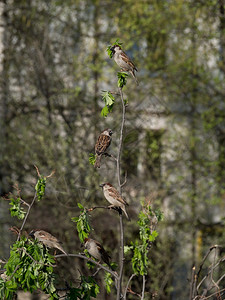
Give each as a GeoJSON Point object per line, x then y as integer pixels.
{"type": "Point", "coordinates": [83, 224]}
{"type": "Point", "coordinates": [108, 282]}
{"type": "Point", "coordinates": [92, 158]}
{"type": "Point", "coordinates": [16, 210]}
{"type": "Point", "coordinates": [122, 79]}
{"type": "Point", "coordinates": [30, 267]}
{"type": "Point", "coordinates": [80, 206]}
{"type": "Point", "coordinates": [109, 51]}
{"type": "Point", "coordinates": [109, 101]}
{"type": "Point", "coordinates": [127, 249]}
{"type": "Point", "coordinates": [40, 187]}
{"type": "Point", "coordinates": [104, 113]}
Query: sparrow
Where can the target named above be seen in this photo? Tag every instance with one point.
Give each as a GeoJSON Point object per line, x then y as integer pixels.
{"type": "Point", "coordinates": [102, 144]}
{"type": "Point", "coordinates": [96, 250]}
{"type": "Point", "coordinates": [47, 239]}
{"type": "Point", "coordinates": [114, 197]}
{"type": "Point", "coordinates": [123, 61]}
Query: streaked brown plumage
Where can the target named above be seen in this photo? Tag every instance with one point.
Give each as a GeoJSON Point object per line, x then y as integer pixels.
{"type": "Point", "coordinates": [114, 197]}
{"type": "Point", "coordinates": [47, 239]}
{"type": "Point", "coordinates": [96, 250]}
{"type": "Point", "coordinates": [102, 144]}
{"type": "Point", "coordinates": [123, 61]}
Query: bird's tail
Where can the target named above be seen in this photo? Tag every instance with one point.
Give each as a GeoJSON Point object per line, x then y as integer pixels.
{"type": "Point", "coordinates": [126, 214]}
{"type": "Point", "coordinates": [61, 249]}
{"type": "Point", "coordinates": [98, 161]}
{"type": "Point", "coordinates": [134, 76]}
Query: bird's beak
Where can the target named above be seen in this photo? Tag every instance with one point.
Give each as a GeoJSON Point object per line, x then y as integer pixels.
{"type": "Point", "coordinates": [101, 185]}
{"type": "Point", "coordinates": [112, 48]}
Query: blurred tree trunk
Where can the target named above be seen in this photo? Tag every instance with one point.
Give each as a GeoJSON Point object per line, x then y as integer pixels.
{"type": "Point", "coordinates": [4, 98]}
{"type": "Point", "coordinates": [220, 132]}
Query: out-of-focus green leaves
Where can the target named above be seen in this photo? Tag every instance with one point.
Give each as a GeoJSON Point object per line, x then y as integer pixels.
{"type": "Point", "coordinates": [109, 51]}
{"type": "Point", "coordinates": [92, 158]}
{"type": "Point", "coordinates": [122, 79]}
{"type": "Point", "coordinates": [16, 210]}
{"type": "Point", "coordinates": [83, 224]}
{"type": "Point", "coordinates": [40, 187]}
{"type": "Point", "coordinates": [89, 288]}
{"type": "Point", "coordinates": [108, 282]}
{"type": "Point", "coordinates": [29, 267]}
{"type": "Point", "coordinates": [73, 294]}
{"type": "Point", "coordinates": [140, 248]}
{"type": "Point", "coordinates": [109, 100]}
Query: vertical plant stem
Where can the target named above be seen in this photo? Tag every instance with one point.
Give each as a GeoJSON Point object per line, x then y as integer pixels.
{"type": "Point", "coordinates": [119, 283]}
{"type": "Point", "coordinates": [125, 293]}
{"type": "Point", "coordinates": [27, 214]}
{"type": "Point", "coordinates": [121, 140]}
{"type": "Point", "coordinates": [143, 288]}
{"type": "Point", "coordinates": [192, 284]}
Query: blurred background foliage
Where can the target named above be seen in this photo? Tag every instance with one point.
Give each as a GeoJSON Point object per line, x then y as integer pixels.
{"type": "Point", "coordinates": [54, 67]}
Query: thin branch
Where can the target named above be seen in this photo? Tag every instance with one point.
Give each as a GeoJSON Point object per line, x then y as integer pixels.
{"type": "Point", "coordinates": [37, 262]}
{"type": "Point", "coordinates": [110, 155]}
{"type": "Point", "coordinates": [205, 257]}
{"type": "Point", "coordinates": [209, 272]}
{"type": "Point", "coordinates": [192, 283]}
{"type": "Point", "coordinates": [205, 298]}
{"type": "Point", "coordinates": [105, 207]}
{"type": "Point", "coordinates": [119, 283]}
{"type": "Point", "coordinates": [121, 138]}
{"type": "Point", "coordinates": [27, 214]}
{"type": "Point", "coordinates": [125, 180]}
{"type": "Point", "coordinates": [143, 288]}
{"type": "Point", "coordinates": [91, 260]}
{"type": "Point", "coordinates": [17, 267]}
{"type": "Point", "coordinates": [125, 292]}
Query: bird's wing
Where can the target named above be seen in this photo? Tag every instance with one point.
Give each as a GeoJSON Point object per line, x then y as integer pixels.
{"type": "Point", "coordinates": [102, 144]}
{"type": "Point", "coordinates": [128, 60]}
{"type": "Point", "coordinates": [116, 195]}
{"type": "Point", "coordinates": [103, 253]}
{"type": "Point", "coordinates": [47, 236]}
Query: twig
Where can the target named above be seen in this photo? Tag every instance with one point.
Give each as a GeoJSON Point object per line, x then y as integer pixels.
{"type": "Point", "coordinates": [119, 283]}
{"type": "Point", "coordinates": [205, 257]}
{"type": "Point", "coordinates": [205, 298]}
{"type": "Point", "coordinates": [48, 176]}
{"type": "Point", "coordinates": [110, 155]}
{"type": "Point", "coordinates": [125, 292]}
{"type": "Point", "coordinates": [91, 260]}
{"type": "Point", "coordinates": [143, 288]}
{"type": "Point", "coordinates": [105, 207]}
{"type": "Point", "coordinates": [209, 272]}
{"type": "Point", "coordinates": [121, 138]}
{"type": "Point", "coordinates": [96, 272]}
{"type": "Point", "coordinates": [125, 180]}
{"type": "Point", "coordinates": [37, 262]}
{"type": "Point", "coordinates": [192, 283]}
{"type": "Point", "coordinates": [17, 267]}
{"type": "Point", "coordinates": [27, 214]}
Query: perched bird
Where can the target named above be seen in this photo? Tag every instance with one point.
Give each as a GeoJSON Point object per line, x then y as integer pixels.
{"type": "Point", "coordinates": [123, 61]}
{"type": "Point", "coordinates": [102, 144]}
{"type": "Point", "coordinates": [47, 239]}
{"type": "Point", "coordinates": [96, 250]}
{"type": "Point", "coordinates": [114, 197]}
